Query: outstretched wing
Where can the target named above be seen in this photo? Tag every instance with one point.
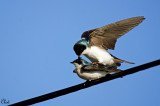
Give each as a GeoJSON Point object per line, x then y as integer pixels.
{"type": "Point", "coordinates": [107, 36]}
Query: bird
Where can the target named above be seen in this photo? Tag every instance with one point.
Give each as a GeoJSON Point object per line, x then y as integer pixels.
{"type": "Point", "coordinates": [94, 44]}
{"type": "Point", "coordinates": [90, 72]}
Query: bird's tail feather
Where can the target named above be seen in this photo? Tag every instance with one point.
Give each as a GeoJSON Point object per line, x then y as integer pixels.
{"type": "Point", "coordinates": [120, 61]}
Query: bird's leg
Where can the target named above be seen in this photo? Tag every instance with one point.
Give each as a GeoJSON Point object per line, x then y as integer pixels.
{"type": "Point", "coordinates": [91, 81]}
{"type": "Point", "coordinates": [118, 70]}
{"type": "Point", "coordinates": [98, 64]}
{"type": "Point", "coordinates": [87, 82]}
{"type": "Point", "coordinates": [95, 63]}
{"type": "Point", "coordinates": [108, 75]}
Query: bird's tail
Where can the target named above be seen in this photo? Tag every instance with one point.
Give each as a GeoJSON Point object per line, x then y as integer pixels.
{"type": "Point", "coordinates": [121, 61]}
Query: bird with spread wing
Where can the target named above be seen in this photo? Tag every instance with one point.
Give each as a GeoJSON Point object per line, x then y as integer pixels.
{"type": "Point", "coordinates": [95, 43]}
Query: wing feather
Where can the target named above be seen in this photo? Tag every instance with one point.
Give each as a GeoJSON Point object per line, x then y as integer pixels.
{"type": "Point", "coordinates": [93, 68]}
{"type": "Point", "coordinates": [107, 36]}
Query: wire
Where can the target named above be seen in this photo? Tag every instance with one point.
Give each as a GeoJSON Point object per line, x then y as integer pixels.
{"type": "Point", "coordinates": [86, 84]}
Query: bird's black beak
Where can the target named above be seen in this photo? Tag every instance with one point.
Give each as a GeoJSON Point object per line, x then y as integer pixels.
{"type": "Point", "coordinates": [79, 58]}
{"type": "Point", "coordinates": [72, 62]}
{"type": "Point", "coordinates": [74, 71]}
{"type": "Point", "coordinates": [76, 61]}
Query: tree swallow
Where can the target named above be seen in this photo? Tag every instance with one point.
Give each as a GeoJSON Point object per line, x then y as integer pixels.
{"type": "Point", "coordinates": [95, 43]}
{"type": "Point", "coordinates": [89, 71]}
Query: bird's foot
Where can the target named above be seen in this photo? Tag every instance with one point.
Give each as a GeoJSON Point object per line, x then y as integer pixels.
{"type": "Point", "coordinates": [97, 64]}
{"type": "Point", "coordinates": [90, 82]}
{"type": "Point", "coordinates": [108, 75]}
{"type": "Point", "coordinates": [87, 82]}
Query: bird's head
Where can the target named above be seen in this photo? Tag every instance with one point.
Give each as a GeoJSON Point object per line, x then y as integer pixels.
{"type": "Point", "coordinates": [80, 62]}
{"type": "Point", "coordinates": [80, 46]}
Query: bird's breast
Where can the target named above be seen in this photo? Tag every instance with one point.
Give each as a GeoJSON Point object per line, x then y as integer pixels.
{"type": "Point", "coordinates": [92, 75]}
{"type": "Point", "coordinates": [96, 54]}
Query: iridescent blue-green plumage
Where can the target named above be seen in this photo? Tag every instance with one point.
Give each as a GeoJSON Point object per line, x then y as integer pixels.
{"type": "Point", "coordinates": [83, 42]}
{"type": "Point", "coordinates": [80, 46]}
{"type": "Point", "coordinates": [84, 62]}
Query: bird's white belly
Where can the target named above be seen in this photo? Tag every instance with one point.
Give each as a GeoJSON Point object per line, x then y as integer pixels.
{"type": "Point", "coordinates": [92, 76]}
{"type": "Point", "coordinates": [96, 54]}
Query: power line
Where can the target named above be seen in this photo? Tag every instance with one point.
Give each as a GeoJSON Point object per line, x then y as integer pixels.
{"type": "Point", "coordinates": [86, 84]}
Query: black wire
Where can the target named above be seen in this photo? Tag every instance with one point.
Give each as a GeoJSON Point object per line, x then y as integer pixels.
{"type": "Point", "coordinates": [85, 85]}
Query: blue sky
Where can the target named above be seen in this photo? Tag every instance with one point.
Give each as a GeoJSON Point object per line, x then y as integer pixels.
{"type": "Point", "coordinates": [36, 48]}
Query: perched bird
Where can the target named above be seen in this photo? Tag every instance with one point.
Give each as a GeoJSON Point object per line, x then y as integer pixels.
{"type": "Point", "coordinates": [89, 71]}
{"type": "Point", "coordinates": [95, 43]}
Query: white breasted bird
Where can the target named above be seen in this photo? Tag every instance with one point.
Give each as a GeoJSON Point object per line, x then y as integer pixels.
{"type": "Point", "coordinates": [89, 71]}
{"type": "Point", "coordinates": [95, 43]}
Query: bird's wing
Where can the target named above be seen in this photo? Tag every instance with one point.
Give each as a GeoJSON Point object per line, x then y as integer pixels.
{"type": "Point", "coordinates": [107, 36]}
{"type": "Point", "coordinates": [92, 68]}
{"type": "Point", "coordinates": [87, 33]}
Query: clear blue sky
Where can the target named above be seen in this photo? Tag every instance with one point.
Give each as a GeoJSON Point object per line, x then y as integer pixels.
{"type": "Point", "coordinates": [36, 48]}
